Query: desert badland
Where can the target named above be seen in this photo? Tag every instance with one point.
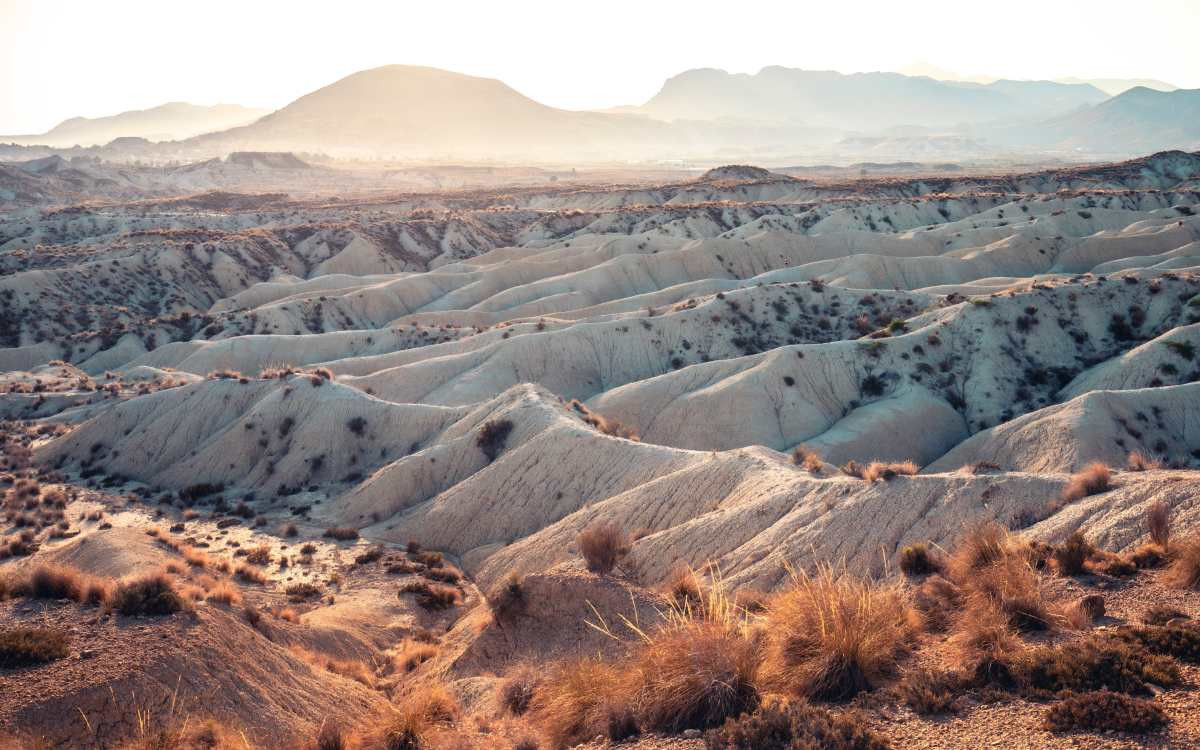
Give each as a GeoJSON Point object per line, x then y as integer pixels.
{"type": "Point", "coordinates": [793, 409]}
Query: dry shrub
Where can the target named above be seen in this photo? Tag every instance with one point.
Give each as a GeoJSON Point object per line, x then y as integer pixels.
{"type": "Point", "coordinates": [604, 424]}
{"type": "Point", "coordinates": [341, 533]}
{"type": "Point", "coordinates": [508, 600]}
{"type": "Point", "coordinates": [694, 674]}
{"type": "Point", "coordinates": [1090, 480]}
{"type": "Point", "coordinates": [1149, 556]}
{"type": "Point", "coordinates": [349, 668]}
{"type": "Point", "coordinates": [581, 699]}
{"type": "Point", "coordinates": [443, 574]}
{"type": "Point", "coordinates": [432, 596]}
{"type": "Point", "coordinates": [982, 644]}
{"type": "Point", "coordinates": [493, 436]}
{"type": "Point", "coordinates": [805, 457]}
{"type": "Point", "coordinates": [603, 546]}
{"type": "Point", "coordinates": [1138, 461]}
{"type": "Point", "coordinates": [195, 557]}
{"type": "Point", "coordinates": [517, 692]}
{"type": "Point", "coordinates": [1184, 571]}
{"type": "Point", "coordinates": [794, 725]}
{"type": "Point", "coordinates": [330, 735]}
{"type": "Point", "coordinates": [937, 600]}
{"type": "Point", "coordinates": [888, 471]}
{"type": "Point", "coordinates": [225, 592]}
{"type": "Point", "coordinates": [1105, 711]}
{"type": "Point", "coordinates": [833, 636]}
{"type": "Point", "coordinates": [1093, 663]}
{"type": "Point", "coordinates": [414, 655]}
{"type": "Point", "coordinates": [1178, 641]}
{"type": "Point", "coordinates": [1070, 557]}
{"type": "Point", "coordinates": [930, 692]}
{"type": "Point", "coordinates": [299, 592]}
{"type": "Point", "coordinates": [62, 582]}
{"type": "Point", "coordinates": [919, 560]}
{"type": "Point", "coordinates": [409, 725]}
{"type": "Point", "coordinates": [26, 646]}
{"type": "Point", "coordinates": [853, 469]}
{"type": "Point", "coordinates": [1158, 523]}
{"type": "Point", "coordinates": [260, 555]}
{"type": "Point", "coordinates": [683, 587]}
{"type": "Point", "coordinates": [152, 595]}
{"type": "Point", "coordinates": [1161, 614]}
{"type": "Point", "coordinates": [250, 573]}
{"type": "Point", "coordinates": [981, 546]}
{"type": "Point", "coordinates": [1011, 585]}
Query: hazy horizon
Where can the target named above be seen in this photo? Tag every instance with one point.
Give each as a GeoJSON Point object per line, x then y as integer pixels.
{"type": "Point", "coordinates": [54, 65]}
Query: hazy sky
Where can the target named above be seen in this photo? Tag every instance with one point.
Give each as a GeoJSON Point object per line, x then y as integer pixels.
{"type": "Point", "coordinates": [60, 58]}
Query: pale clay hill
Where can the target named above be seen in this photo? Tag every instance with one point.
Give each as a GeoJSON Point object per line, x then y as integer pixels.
{"type": "Point", "coordinates": [365, 441]}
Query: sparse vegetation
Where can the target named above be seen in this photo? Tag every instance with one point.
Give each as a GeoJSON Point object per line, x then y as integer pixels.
{"type": "Point", "coordinates": [1091, 480]}
{"type": "Point", "coordinates": [26, 646]}
{"type": "Point", "coordinates": [1104, 711]}
{"type": "Point", "coordinates": [603, 545]}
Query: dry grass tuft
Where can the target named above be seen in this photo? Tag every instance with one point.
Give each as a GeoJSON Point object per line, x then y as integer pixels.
{"type": "Point", "coordinates": [26, 646]}
{"type": "Point", "coordinates": [1184, 571]}
{"type": "Point", "coordinates": [1091, 480]}
{"type": "Point", "coordinates": [250, 573]}
{"type": "Point", "coordinates": [1158, 523]}
{"type": "Point", "coordinates": [1138, 461]}
{"type": "Point", "coordinates": [154, 594]}
{"type": "Point", "coordinates": [833, 636]}
{"type": "Point", "coordinates": [432, 596]}
{"type": "Point", "coordinates": [517, 692]}
{"type": "Point", "coordinates": [806, 458]}
{"type": "Point", "coordinates": [603, 545]}
{"type": "Point", "coordinates": [1070, 557]}
{"type": "Point", "coordinates": [581, 699]}
{"type": "Point", "coordinates": [62, 582]}
{"type": "Point", "coordinates": [224, 592]}
{"type": "Point", "coordinates": [888, 471]}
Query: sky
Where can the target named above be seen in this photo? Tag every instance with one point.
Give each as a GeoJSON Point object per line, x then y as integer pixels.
{"type": "Point", "coordinates": [62, 58]}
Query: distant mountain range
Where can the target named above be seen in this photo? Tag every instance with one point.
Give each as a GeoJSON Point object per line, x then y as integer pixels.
{"type": "Point", "coordinates": [168, 122]}
{"type": "Point", "coordinates": [861, 101]}
{"type": "Point", "coordinates": [407, 111]}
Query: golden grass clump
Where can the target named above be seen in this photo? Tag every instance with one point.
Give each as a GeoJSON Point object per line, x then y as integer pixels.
{"type": "Point", "coordinates": [878, 470]}
{"type": "Point", "coordinates": [1092, 479]}
{"type": "Point", "coordinates": [833, 636]}
{"type": "Point", "coordinates": [1184, 571]}
{"type": "Point", "coordinates": [581, 699]}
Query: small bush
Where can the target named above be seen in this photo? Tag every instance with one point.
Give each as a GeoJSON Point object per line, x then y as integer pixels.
{"type": "Point", "coordinates": [1185, 568]}
{"type": "Point", "coordinates": [1091, 480]}
{"type": "Point", "coordinates": [580, 700]}
{"type": "Point", "coordinates": [834, 636]}
{"type": "Point", "coordinates": [493, 436]}
{"type": "Point", "coordinates": [341, 533]}
{"type": "Point", "coordinates": [224, 593]}
{"type": "Point", "coordinates": [509, 598]}
{"type": "Point", "coordinates": [250, 573]}
{"type": "Point", "coordinates": [151, 595]}
{"type": "Point", "coordinates": [877, 470]}
{"type": "Point", "coordinates": [1070, 557]}
{"type": "Point", "coordinates": [299, 592]}
{"type": "Point", "coordinates": [1094, 663]}
{"type": "Point", "coordinates": [1104, 711]}
{"type": "Point", "coordinates": [432, 596]}
{"type": "Point", "coordinates": [260, 555]}
{"type": "Point", "coordinates": [518, 689]}
{"type": "Point", "coordinates": [25, 646]}
{"type": "Point", "coordinates": [929, 692]}
{"type": "Point", "coordinates": [1161, 614]}
{"type": "Point", "coordinates": [1158, 523]}
{"type": "Point", "coordinates": [603, 546]}
{"type": "Point", "coordinates": [919, 560]}
{"type": "Point", "coordinates": [783, 725]}
{"type": "Point", "coordinates": [1180, 642]}
{"type": "Point", "coordinates": [807, 459]}
{"type": "Point", "coordinates": [1138, 461]}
